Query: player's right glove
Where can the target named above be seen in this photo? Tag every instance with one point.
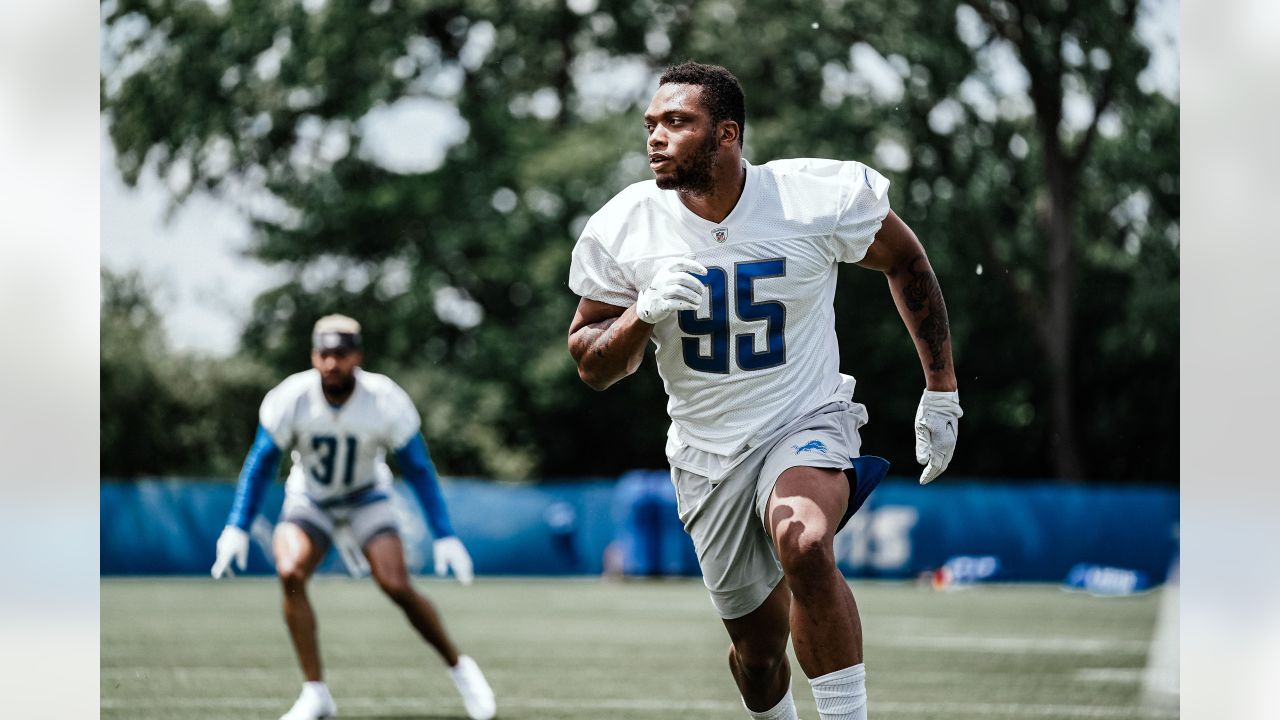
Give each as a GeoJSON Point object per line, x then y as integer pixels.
{"type": "Point", "coordinates": [233, 543]}
{"type": "Point", "coordinates": [673, 288]}
{"type": "Point", "coordinates": [937, 428]}
{"type": "Point", "coordinates": [450, 554]}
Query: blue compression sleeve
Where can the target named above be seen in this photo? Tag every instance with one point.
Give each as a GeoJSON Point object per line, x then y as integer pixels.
{"type": "Point", "coordinates": [259, 470]}
{"type": "Point", "coordinates": [419, 471]}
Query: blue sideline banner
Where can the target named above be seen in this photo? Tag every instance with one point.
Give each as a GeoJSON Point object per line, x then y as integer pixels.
{"type": "Point", "coordinates": [159, 527]}
{"type": "Point", "coordinates": [1037, 531]}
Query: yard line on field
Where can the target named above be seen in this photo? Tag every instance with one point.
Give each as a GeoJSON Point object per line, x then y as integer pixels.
{"type": "Point", "coordinates": [397, 704]}
{"type": "Point", "coordinates": [192, 672]}
{"type": "Point", "coordinates": [410, 704]}
{"type": "Point", "coordinates": [1019, 645]}
{"type": "Point", "coordinates": [1021, 710]}
{"type": "Point", "coordinates": [1110, 675]}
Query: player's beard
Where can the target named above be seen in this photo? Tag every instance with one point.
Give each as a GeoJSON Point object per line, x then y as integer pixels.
{"type": "Point", "coordinates": [694, 174]}
{"type": "Point", "coordinates": [340, 388]}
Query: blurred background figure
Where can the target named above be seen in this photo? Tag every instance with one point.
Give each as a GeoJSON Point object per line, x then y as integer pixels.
{"type": "Point", "coordinates": [650, 541]}
{"type": "Point", "coordinates": [338, 421]}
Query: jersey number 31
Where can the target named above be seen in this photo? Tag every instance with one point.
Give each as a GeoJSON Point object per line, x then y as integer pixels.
{"type": "Point", "coordinates": [716, 326]}
{"type": "Point", "coordinates": [326, 446]}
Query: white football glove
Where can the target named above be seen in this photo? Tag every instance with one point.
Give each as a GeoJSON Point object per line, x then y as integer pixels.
{"type": "Point", "coordinates": [673, 288]}
{"type": "Point", "coordinates": [449, 554]}
{"type": "Point", "coordinates": [937, 427]}
{"type": "Point", "coordinates": [233, 543]}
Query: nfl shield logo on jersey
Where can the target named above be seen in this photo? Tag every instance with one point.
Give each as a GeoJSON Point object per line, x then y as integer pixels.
{"type": "Point", "coordinates": [721, 233]}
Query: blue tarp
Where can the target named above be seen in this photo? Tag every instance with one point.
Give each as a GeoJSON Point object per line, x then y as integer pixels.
{"type": "Point", "coordinates": [1037, 530]}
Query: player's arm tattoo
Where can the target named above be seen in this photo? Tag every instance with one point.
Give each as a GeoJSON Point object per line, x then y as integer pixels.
{"type": "Point", "coordinates": [922, 294]}
{"type": "Point", "coordinates": [595, 337]}
{"type": "Point", "coordinates": [608, 349]}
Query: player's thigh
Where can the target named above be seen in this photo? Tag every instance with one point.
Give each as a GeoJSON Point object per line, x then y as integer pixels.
{"type": "Point", "coordinates": [735, 556]}
{"type": "Point", "coordinates": [297, 553]}
{"type": "Point", "coordinates": [385, 552]}
{"type": "Point", "coordinates": [806, 505]}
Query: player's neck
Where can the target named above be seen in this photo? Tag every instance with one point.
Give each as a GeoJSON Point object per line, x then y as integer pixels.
{"type": "Point", "coordinates": [730, 178]}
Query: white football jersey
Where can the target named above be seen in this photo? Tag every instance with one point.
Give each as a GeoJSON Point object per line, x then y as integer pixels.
{"type": "Point", "coordinates": [762, 349]}
{"type": "Point", "coordinates": [337, 451]}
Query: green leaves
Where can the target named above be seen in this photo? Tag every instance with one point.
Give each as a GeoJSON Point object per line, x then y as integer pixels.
{"type": "Point", "coordinates": [975, 110]}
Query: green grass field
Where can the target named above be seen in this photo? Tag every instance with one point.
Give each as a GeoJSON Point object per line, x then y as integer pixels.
{"type": "Point", "coordinates": [582, 648]}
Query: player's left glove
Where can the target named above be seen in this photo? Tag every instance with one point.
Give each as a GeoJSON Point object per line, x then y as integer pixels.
{"type": "Point", "coordinates": [233, 543]}
{"type": "Point", "coordinates": [937, 428]}
{"type": "Point", "coordinates": [450, 553]}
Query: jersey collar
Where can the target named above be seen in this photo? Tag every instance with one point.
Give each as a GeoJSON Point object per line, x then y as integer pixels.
{"type": "Point", "coordinates": [705, 227]}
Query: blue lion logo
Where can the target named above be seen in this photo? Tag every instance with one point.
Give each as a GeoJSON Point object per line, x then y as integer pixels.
{"type": "Point", "coordinates": [811, 445]}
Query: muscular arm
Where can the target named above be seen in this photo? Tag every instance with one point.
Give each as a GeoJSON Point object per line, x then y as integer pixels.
{"type": "Point", "coordinates": [899, 255]}
{"type": "Point", "coordinates": [607, 342]}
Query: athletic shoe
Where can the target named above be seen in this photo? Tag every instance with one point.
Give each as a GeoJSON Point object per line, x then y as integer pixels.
{"type": "Point", "coordinates": [314, 703]}
{"type": "Point", "coordinates": [477, 696]}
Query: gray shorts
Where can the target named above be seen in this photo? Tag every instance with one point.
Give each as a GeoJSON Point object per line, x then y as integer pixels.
{"type": "Point", "coordinates": [722, 501]}
{"type": "Point", "coordinates": [368, 514]}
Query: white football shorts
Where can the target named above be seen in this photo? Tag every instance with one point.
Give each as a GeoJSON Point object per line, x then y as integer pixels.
{"type": "Point", "coordinates": [368, 513]}
{"type": "Point", "coordinates": [722, 500]}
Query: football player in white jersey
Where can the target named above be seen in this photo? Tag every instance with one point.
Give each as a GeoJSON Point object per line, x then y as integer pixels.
{"type": "Point", "coordinates": [730, 270]}
{"type": "Point", "coordinates": [338, 421]}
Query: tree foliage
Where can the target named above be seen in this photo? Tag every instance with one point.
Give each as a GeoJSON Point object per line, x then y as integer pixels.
{"type": "Point", "coordinates": [165, 412]}
{"type": "Point", "coordinates": [1041, 177]}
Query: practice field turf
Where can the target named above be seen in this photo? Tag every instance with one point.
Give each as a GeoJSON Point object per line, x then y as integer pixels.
{"type": "Point", "coordinates": [578, 649]}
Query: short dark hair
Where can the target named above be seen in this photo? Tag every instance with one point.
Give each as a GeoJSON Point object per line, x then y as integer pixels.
{"type": "Point", "coordinates": [721, 92]}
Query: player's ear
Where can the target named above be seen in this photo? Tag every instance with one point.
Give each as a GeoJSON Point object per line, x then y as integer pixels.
{"type": "Point", "coordinates": [728, 132]}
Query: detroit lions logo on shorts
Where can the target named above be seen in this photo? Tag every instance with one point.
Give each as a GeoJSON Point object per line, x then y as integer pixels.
{"type": "Point", "coordinates": [811, 445]}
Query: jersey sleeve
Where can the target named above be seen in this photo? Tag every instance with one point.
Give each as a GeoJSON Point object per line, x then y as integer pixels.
{"type": "Point", "coordinates": [595, 274]}
{"type": "Point", "coordinates": [403, 420]}
{"type": "Point", "coordinates": [275, 416]}
{"type": "Point", "coordinates": [861, 213]}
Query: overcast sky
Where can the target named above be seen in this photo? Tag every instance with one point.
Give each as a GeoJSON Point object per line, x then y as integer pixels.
{"type": "Point", "coordinates": [195, 256]}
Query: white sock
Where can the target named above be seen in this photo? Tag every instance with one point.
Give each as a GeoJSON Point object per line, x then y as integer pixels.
{"type": "Point", "coordinates": [318, 687]}
{"type": "Point", "coordinates": [841, 695]}
{"type": "Point", "coordinates": [784, 710]}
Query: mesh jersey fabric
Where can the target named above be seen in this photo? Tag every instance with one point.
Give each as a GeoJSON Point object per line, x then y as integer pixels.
{"type": "Point", "coordinates": [761, 350]}
{"type": "Point", "coordinates": [337, 451]}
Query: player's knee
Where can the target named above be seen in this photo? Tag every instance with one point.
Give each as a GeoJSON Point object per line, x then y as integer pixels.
{"type": "Point", "coordinates": [397, 588]}
{"type": "Point", "coordinates": [292, 576]}
{"type": "Point", "coordinates": [755, 661]}
{"type": "Point", "coordinates": [805, 556]}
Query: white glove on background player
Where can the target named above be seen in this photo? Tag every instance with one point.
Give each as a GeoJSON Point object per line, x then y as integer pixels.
{"type": "Point", "coordinates": [673, 288]}
{"type": "Point", "coordinates": [449, 553]}
{"type": "Point", "coordinates": [233, 543]}
{"type": "Point", "coordinates": [937, 427]}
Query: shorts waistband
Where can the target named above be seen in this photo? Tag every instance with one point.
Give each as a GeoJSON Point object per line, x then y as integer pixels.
{"type": "Point", "coordinates": [363, 496]}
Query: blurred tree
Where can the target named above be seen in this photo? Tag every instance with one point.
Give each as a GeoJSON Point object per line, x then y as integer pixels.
{"type": "Point", "coordinates": [1008, 129]}
{"type": "Point", "coordinates": [164, 412]}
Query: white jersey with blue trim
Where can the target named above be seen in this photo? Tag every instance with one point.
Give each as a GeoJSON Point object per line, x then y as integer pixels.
{"type": "Point", "coordinates": [338, 451]}
{"type": "Point", "coordinates": [762, 349]}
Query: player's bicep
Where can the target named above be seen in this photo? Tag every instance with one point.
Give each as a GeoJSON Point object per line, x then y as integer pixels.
{"type": "Point", "coordinates": [894, 245]}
